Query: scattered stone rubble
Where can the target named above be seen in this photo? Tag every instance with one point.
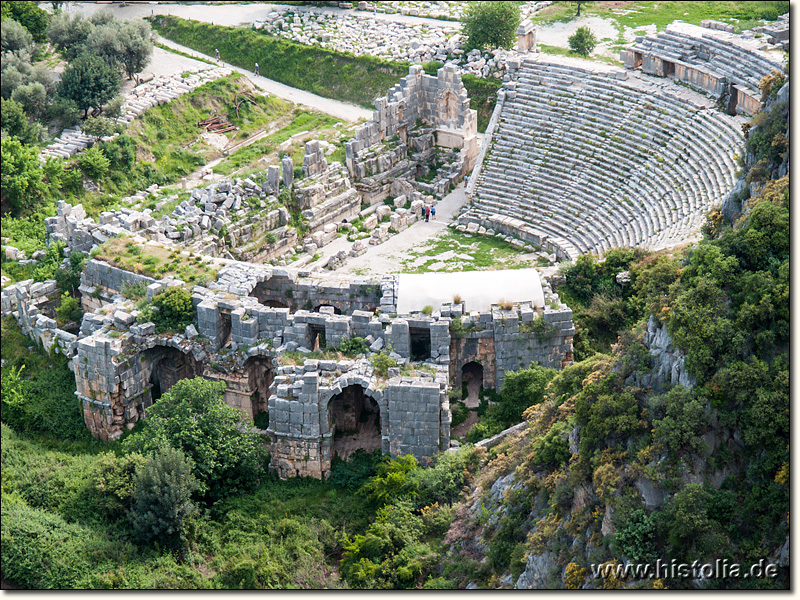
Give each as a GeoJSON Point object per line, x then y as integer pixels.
{"type": "Point", "coordinates": [144, 96]}
{"type": "Point", "coordinates": [393, 40]}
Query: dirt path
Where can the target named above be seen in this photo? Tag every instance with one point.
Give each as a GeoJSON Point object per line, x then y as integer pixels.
{"type": "Point", "coordinates": [340, 110]}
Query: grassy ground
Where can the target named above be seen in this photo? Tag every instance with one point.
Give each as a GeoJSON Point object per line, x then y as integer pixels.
{"type": "Point", "coordinates": [164, 144]}
{"type": "Point", "coordinates": [742, 15]}
{"type": "Point", "coordinates": [567, 52]}
{"type": "Point", "coordinates": [330, 74]}
{"type": "Point", "coordinates": [454, 251]}
{"type": "Point", "coordinates": [155, 261]}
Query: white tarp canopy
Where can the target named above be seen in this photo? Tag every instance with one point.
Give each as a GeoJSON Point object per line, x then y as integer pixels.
{"type": "Point", "coordinates": [478, 289]}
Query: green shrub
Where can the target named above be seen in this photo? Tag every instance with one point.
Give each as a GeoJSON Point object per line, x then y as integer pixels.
{"type": "Point", "coordinates": [490, 25]}
{"type": "Point", "coordinates": [69, 310]}
{"type": "Point", "coordinates": [93, 163]}
{"type": "Point", "coordinates": [193, 417]}
{"type": "Point", "coordinates": [175, 310]}
{"type": "Point", "coordinates": [381, 363]}
{"type": "Point", "coordinates": [162, 497]}
{"type": "Point", "coordinates": [582, 41]}
{"type": "Point", "coordinates": [552, 449]}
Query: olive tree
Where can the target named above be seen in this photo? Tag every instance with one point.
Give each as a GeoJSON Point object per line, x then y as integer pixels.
{"type": "Point", "coordinates": [490, 24]}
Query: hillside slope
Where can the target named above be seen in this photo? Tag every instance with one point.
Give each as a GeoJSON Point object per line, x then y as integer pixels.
{"type": "Point", "coordinates": [673, 447]}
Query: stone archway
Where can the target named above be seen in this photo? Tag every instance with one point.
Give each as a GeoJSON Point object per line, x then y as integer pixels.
{"type": "Point", "coordinates": [354, 420]}
{"type": "Point", "coordinates": [260, 373]}
{"type": "Point", "coordinates": [167, 366]}
{"type": "Point", "coordinates": [472, 379]}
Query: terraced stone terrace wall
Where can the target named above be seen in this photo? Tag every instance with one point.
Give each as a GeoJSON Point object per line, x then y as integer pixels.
{"type": "Point", "coordinates": [588, 157]}
{"type": "Point", "coordinates": [315, 408]}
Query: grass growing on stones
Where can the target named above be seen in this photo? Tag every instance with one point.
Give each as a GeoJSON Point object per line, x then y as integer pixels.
{"type": "Point", "coordinates": [164, 144]}
{"type": "Point", "coordinates": [455, 251]}
{"type": "Point", "coordinates": [155, 261]}
{"type": "Point", "coordinates": [318, 125]}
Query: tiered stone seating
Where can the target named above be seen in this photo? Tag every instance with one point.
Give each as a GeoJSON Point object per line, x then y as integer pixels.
{"type": "Point", "coordinates": [715, 52]}
{"type": "Point", "coordinates": [589, 162]}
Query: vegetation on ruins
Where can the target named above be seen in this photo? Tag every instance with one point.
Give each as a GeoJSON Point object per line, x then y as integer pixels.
{"type": "Point", "coordinates": [192, 416]}
{"type": "Point", "coordinates": [582, 41]}
{"type": "Point", "coordinates": [356, 79]}
{"type": "Point", "coordinates": [490, 24]}
{"type": "Point", "coordinates": [618, 464]}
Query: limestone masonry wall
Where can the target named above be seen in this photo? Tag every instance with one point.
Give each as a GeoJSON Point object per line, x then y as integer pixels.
{"type": "Point", "coordinates": [313, 405]}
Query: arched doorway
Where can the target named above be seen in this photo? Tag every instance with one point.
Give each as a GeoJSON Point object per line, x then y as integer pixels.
{"type": "Point", "coordinates": [472, 380]}
{"type": "Point", "coordinates": [169, 365]}
{"type": "Point", "coordinates": [327, 308]}
{"type": "Point", "coordinates": [354, 418]}
{"type": "Point", "coordinates": [260, 374]}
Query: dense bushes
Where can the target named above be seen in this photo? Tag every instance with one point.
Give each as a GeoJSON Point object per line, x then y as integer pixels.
{"type": "Point", "coordinates": [163, 487]}
{"type": "Point", "coordinates": [173, 310]}
{"type": "Point", "coordinates": [193, 417]}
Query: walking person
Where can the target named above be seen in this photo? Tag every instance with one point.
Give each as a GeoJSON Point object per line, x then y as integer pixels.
{"type": "Point", "coordinates": [256, 71]}
{"type": "Point", "coordinates": [433, 213]}
{"type": "Point", "coordinates": [427, 213]}
{"type": "Point", "coordinates": [216, 54]}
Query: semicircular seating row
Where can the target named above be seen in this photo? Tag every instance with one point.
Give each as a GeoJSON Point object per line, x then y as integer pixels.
{"type": "Point", "coordinates": [595, 163]}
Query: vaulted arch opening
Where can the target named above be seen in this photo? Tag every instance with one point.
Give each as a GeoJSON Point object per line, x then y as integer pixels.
{"type": "Point", "coordinates": [472, 382]}
{"type": "Point", "coordinates": [260, 373]}
{"type": "Point", "coordinates": [354, 418]}
{"type": "Point", "coordinates": [169, 365]}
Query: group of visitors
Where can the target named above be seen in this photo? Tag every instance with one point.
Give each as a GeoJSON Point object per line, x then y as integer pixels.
{"type": "Point", "coordinates": [430, 211]}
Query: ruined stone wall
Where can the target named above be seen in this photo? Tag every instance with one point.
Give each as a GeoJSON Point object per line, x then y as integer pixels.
{"type": "Point", "coordinates": [32, 305]}
{"type": "Point", "coordinates": [379, 151]}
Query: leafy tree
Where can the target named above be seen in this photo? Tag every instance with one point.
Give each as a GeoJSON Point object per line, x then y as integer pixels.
{"type": "Point", "coordinates": [582, 41]}
{"type": "Point", "coordinates": [136, 46]}
{"type": "Point", "coordinates": [193, 417]}
{"type": "Point", "coordinates": [32, 97]}
{"type": "Point", "coordinates": [520, 390]}
{"type": "Point", "coordinates": [114, 479]}
{"type": "Point", "coordinates": [114, 107]}
{"type": "Point", "coordinates": [393, 480]}
{"type": "Point", "coordinates": [690, 531]}
{"type": "Point", "coordinates": [162, 497]}
{"type": "Point", "coordinates": [22, 185]}
{"type": "Point", "coordinates": [90, 82]}
{"type": "Point", "coordinates": [29, 15]}
{"type": "Point", "coordinates": [578, 4]}
{"type": "Point", "coordinates": [65, 111]}
{"type": "Point", "coordinates": [490, 24]}
{"type": "Point", "coordinates": [684, 421]}
{"type": "Point", "coordinates": [98, 126]}
{"type": "Point", "coordinates": [11, 79]}
{"type": "Point", "coordinates": [14, 122]}
{"type": "Point", "coordinates": [14, 37]}
{"type": "Point", "coordinates": [94, 163]}
{"type": "Point", "coordinates": [636, 540]}
{"type": "Point", "coordinates": [69, 34]}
